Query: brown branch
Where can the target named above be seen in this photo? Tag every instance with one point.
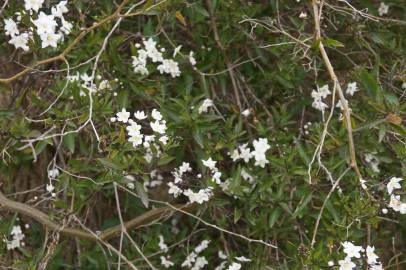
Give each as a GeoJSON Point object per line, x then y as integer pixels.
{"type": "Point", "coordinates": [333, 76]}
{"type": "Point", "coordinates": [145, 218]}
{"type": "Point", "coordinates": [70, 47]}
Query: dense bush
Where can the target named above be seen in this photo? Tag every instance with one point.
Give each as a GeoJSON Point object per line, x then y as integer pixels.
{"type": "Point", "coordinates": [203, 134]}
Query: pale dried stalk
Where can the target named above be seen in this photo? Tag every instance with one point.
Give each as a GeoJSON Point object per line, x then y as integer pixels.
{"type": "Point", "coordinates": [333, 76]}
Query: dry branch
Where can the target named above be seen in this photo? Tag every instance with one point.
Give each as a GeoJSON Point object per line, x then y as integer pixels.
{"type": "Point", "coordinates": [145, 218]}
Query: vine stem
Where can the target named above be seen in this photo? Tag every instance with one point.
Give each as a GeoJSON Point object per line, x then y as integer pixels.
{"type": "Point", "coordinates": [346, 110]}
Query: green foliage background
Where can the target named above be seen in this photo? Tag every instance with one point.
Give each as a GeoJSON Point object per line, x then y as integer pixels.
{"type": "Point", "coordinates": [274, 82]}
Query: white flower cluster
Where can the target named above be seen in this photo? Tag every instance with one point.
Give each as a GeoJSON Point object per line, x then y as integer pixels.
{"type": "Point", "coordinates": [203, 195]}
{"type": "Point", "coordinates": [86, 82]}
{"type": "Point", "coordinates": [353, 251]}
{"type": "Point", "coordinates": [150, 51]}
{"type": "Point", "coordinates": [259, 153]}
{"type": "Point", "coordinates": [17, 238]}
{"type": "Point", "coordinates": [165, 260]}
{"type": "Point", "coordinates": [155, 180]}
{"type": "Point", "coordinates": [395, 203]}
{"type": "Point", "coordinates": [322, 92]}
{"type": "Point", "coordinates": [318, 96]}
{"type": "Point", "coordinates": [157, 124]}
{"type": "Point", "coordinates": [195, 262]}
{"type": "Point", "coordinates": [52, 175]}
{"type": "Point", "coordinates": [50, 28]}
{"type": "Point", "coordinates": [233, 265]}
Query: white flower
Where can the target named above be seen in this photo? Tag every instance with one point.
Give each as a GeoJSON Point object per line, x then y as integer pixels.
{"type": "Point", "coordinates": [185, 167]}
{"type": "Point", "coordinates": [123, 116]}
{"type": "Point", "coordinates": [216, 177]}
{"type": "Point", "coordinates": [340, 105]}
{"type": "Point", "coordinates": [149, 138]}
{"type": "Point", "coordinates": [351, 88]}
{"type": "Point", "coordinates": [60, 9]}
{"type": "Point", "coordinates": [17, 237]}
{"type": "Point", "coordinates": [66, 27]}
{"type": "Point", "coordinates": [318, 95]}
{"type": "Point", "coordinates": [33, 4]}
{"type": "Point", "coordinates": [210, 163]}
{"type": "Point", "coordinates": [169, 66]}
{"type": "Point", "coordinates": [164, 139]}
{"type": "Point", "coordinates": [199, 197]}
{"type": "Point", "coordinates": [16, 230]}
{"type": "Point", "coordinates": [45, 23]}
{"type": "Point", "coordinates": [156, 114]}
{"type": "Point", "coordinates": [192, 60]}
{"type": "Point", "coordinates": [395, 203]}
{"type": "Point", "coordinates": [222, 255]}
{"type": "Point", "coordinates": [207, 103]}
{"type": "Point", "coordinates": [346, 264]}
{"type": "Point", "coordinates": [261, 146]}
{"type": "Point", "coordinates": [352, 250]}
{"type": "Point", "coordinates": [10, 27]}
{"type": "Point", "coordinates": [234, 266]}
{"type": "Point", "coordinates": [174, 189]}
{"type": "Point", "coordinates": [49, 39]}
{"type": "Point", "coordinates": [191, 258]}
{"type": "Point", "coordinates": [404, 85]}
{"type": "Point", "coordinates": [235, 155]}
{"type": "Point", "coordinates": [393, 184]}
{"type": "Point", "coordinates": [246, 112]}
{"type": "Point", "coordinates": [20, 41]}
{"type": "Point", "coordinates": [140, 115]}
{"type": "Point", "coordinates": [158, 126]}
{"type": "Point", "coordinates": [50, 187]}
{"type": "Point", "coordinates": [162, 245]}
{"type": "Point", "coordinates": [133, 128]}
{"type": "Point", "coordinates": [165, 262]}
{"type": "Point", "coordinates": [245, 152]}
{"type": "Point", "coordinates": [242, 259]}
{"type": "Point", "coordinates": [53, 173]}
{"type": "Point", "coordinates": [200, 263]}
{"type": "Point", "coordinates": [383, 9]}
{"type": "Point", "coordinates": [303, 15]}
{"type": "Point", "coordinates": [202, 246]}
{"type": "Point", "coordinates": [136, 139]}
{"type": "Point", "coordinates": [319, 105]}
{"type": "Point", "coordinates": [139, 66]}
{"type": "Point", "coordinates": [372, 257]}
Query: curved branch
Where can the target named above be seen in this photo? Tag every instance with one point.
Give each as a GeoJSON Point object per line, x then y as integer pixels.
{"type": "Point", "coordinates": [145, 218]}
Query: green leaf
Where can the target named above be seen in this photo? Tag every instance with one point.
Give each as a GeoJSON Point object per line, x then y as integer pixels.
{"type": "Point", "coordinates": [332, 43]}
{"type": "Point", "coordinates": [69, 141]}
{"type": "Point", "coordinates": [275, 215]}
{"type": "Point", "coordinates": [111, 164]}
